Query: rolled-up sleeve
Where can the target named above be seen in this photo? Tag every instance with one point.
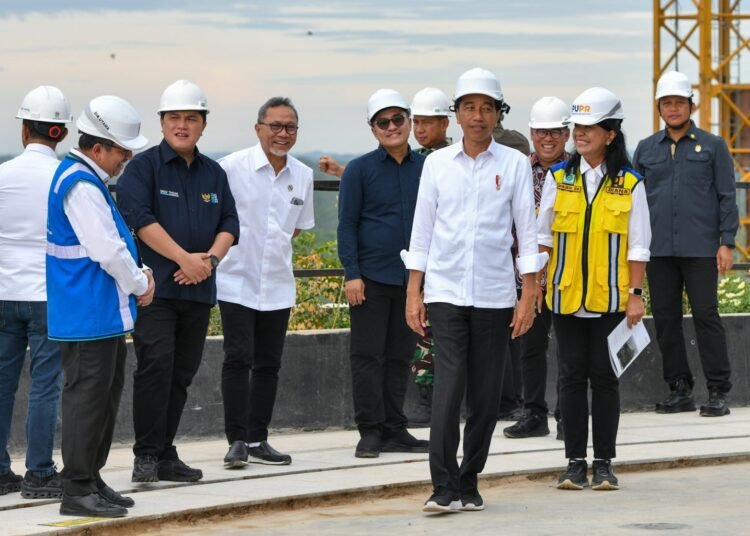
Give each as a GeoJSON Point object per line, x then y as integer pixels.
{"type": "Point", "coordinates": [350, 207]}
{"type": "Point", "coordinates": [424, 221]}
{"type": "Point", "coordinates": [524, 220]}
{"type": "Point", "coordinates": [639, 226]}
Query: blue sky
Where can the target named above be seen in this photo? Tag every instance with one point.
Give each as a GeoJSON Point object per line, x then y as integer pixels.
{"type": "Point", "coordinates": [242, 52]}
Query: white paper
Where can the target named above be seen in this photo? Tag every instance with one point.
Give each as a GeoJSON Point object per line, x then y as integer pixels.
{"type": "Point", "coordinates": [625, 344]}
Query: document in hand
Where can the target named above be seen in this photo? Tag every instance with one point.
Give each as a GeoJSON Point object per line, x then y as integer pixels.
{"type": "Point", "coordinates": [625, 344]}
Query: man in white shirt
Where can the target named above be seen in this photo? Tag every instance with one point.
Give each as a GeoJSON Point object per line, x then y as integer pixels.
{"type": "Point", "coordinates": [94, 284]}
{"type": "Point", "coordinates": [470, 196]}
{"type": "Point", "coordinates": [24, 186]}
{"type": "Point", "coordinates": [273, 192]}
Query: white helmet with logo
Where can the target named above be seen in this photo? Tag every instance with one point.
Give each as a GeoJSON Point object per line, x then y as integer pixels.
{"type": "Point", "coordinates": [479, 81]}
{"type": "Point", "coordinates": [674, 83]}
{"type": "Point", "coordinates": [431, 101]}
{"type": "Point", "coordinates": [183, 95]}
{"type": "Point", "coordinates": [594, 106]}
{"type": "Point", "coordinates": [113, 119]}
{"type": "Point", "coordinates": [549, 112]}
{"type": "Point", "coordinates": [382, 99]}
{"type": "Point", "coordinates": [46, 104]}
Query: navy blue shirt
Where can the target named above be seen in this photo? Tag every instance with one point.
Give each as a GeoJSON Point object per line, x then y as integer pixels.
{"type": "Point", "coordinates": [377, 197]}
{"type": "Point", "coordinates": [193, 204]}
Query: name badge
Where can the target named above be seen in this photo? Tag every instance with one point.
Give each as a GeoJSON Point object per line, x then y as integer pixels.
{"type": "Point", "coordinates": [169, 193]}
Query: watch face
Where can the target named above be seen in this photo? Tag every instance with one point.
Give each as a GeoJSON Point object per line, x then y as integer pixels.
{"type": "Point", "coordinates": [214, 261]}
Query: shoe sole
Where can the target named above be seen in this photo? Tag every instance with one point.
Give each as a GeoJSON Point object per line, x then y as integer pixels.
{"type": "Point", "coordinates": [434, 508]}
{"type": "Point", "coordinates": [176, 478]}
{"type": "Point", "coordinates": [711, 413]}
{"type": "Point", "coordinates": [366, 454]}
{"type": "Point", "coordinates": [569, 484]}
{"type": "Point", "coordinates": [511, 435]}
{"type": "Point", "coordinates": [67, 511]}
{"type": "Point", "coordinates": [234, 464]}
{"type": "Point", "coordinates": [253, 459]}
{"type": "Point", "coordinates": [144, 479]}
{"type": "Point", "coordinates": [41, 494]}
{"type": "Point", "coordinates": [677, 409]}
{"type": "Point", "coordinates": [471, 507]}
{"type": "Point", "coordinates": [10, 489]}
{"type": "Point", "coordinates": [606, 485]}
{"type": "Point", "coordinates": [412, 450]}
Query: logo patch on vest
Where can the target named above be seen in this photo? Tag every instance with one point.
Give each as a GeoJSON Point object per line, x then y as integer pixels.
{"type": "Point", "coordinates": [569, 179]}
{"type": "Point", "coordinates": [568, 188]}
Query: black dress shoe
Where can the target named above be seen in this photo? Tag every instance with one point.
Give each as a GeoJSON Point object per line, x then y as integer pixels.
{"type": "Point", "coordinates": [91, 505]}
{"type": "Point", "coordinates": [531, 425]}
{"type": "Point", "coordinates": [368, 446]}
{"type": "Point", "coordinates": [403, 441]}
{"type": "Point", "coordinates": [145, 469]}
{"type": "Point", "coordinates": [716, 406]}
{"type": "Point", "coordinates": [237, 455]}
{"type": "Point", "coordinates": [680, 398]}
{"type": "Point", "coordinates": [115, 498]}
{"type": "Point", "coordinates": [178, 471]}
{"type": "Point", "coordinates": [266, 454]}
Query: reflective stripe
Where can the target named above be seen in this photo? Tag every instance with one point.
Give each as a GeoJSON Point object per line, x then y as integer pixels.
{"type": "Point", "coordinates": [557, 277]}
{"type": "Point", "coordinates": [614, 254]}
{"type": "Point", "coordinates": [68, 172]}
{"type": "Point", "coordinates": [66, 252]}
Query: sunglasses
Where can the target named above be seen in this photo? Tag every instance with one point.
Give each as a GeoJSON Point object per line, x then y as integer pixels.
{"type": "Point", "coordinates": [291, 129]}
{"type": "Point", "coordinates": [397, 120]}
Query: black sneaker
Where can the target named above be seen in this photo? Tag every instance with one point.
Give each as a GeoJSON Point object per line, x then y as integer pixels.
{"type": "Point", "coordinates": [41, 487]}
{"type": "Point", "coordinates": [531, 425]}
{"type": "Point", "coordinates": [603, 478]}
{"type": "Point", "coordinates": [10, 482]}
{"type": "Point", "coordinates": [574, 476]}
{"type": "Point", "coordinates": [237, 455]}
{"type": "Point", "coordinates": [716, 405]}
{"type": "Point", "coordinates": [442, 501]}
{"type": "Point", "coordinates": [368, 446]}
{"type": "Point", "coordinates": [680, 398]}
{"type": "Point", "coordinates": [266, 454]}
{"type": "Point", "coordinates": [402, 441]}
{"type": "Point", "coordinates": [511, 414]}
{"type": "Point", "coordinates": [115, 498]}
{"type": "Point", "coordinates": [471, 501]}
{"type": "Point", "coordinates": [91, 505]}
{"type": "Point", "coordinates": [145, 469]}
{"type": "Point", "coordinates": [178, 471]}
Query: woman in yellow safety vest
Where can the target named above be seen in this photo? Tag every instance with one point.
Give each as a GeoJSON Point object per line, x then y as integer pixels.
{"type": "Point", "coordinates": [594, 223]}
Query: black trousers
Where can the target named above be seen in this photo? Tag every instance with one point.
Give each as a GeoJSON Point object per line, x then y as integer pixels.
{"type": "Point", "coordinates": [534, 363]}
{"type": "Point", "coordinates": [584, 359]}
{"type": "Point", "coordinates": [253, 344]}
{"type": "Point", "coordinates": [381, 347]}
{"type": "Point", "coordinates": [168, 341]}
{"type": "Point", "coordinates": [94, 377]}
{"type": "Point", "coordinates": [698, 275]}
{"type": "Point", "coordinates": [511, 394]}
{"type": "Point", "coordinates": [471, 344]}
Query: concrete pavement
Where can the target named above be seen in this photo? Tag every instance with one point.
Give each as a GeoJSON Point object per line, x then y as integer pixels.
{"type": "Point", "coordinates": [324, 467]}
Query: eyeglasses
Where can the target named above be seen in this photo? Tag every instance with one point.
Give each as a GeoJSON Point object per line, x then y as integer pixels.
{"type": "Point", "coordinates": [544, 132]}
{"type": "Point", "coordinates": [291, 129]}
{"type": "Point", "coordinates": [397, 120]}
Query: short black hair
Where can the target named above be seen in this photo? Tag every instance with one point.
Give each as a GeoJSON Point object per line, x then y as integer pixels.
{"type": "Point", "coordinates": [202, 112]}
{"type": "Point", "coordinates": [274, 102]}
{"type": "Point", "coordinates": [87, 141]}
{"type": "Point", "coordinates": [46, 131]}
{"type": "Point", "coordinates": [500, 106]}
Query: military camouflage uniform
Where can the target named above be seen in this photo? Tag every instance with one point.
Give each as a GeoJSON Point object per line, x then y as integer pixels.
{"type": "Point", "coordinates": [424, 353]}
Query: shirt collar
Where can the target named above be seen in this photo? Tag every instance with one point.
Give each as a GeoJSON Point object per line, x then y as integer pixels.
{"type": "Point", "coordinates": [103, 175]}
{"type": "Point", "coordinates": [383, 154]}
{"type": "Point", "coordinates": [691, 133]}
{"type": "Point", "coordinates": [599, 170]}
{"type": "Point", "coordinates": [168, 154]}
{"type": "Point", "coordinates": [494, 148]}
{"type": "Point", "coordinates": [260, 160]}
{"type": "Point", "coordinates": [40, 148]}
{"type": "Point", "coordinates": [534, 159]}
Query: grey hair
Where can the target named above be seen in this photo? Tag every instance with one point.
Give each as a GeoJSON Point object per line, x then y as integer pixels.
{"type": "Point", "coordinates": [273, 102]}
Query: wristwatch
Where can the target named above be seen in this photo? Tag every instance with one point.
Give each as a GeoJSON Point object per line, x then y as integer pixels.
{"type": "Point", "coordinates": [635, 291]}
{"type": "Point", "coordinates": [214, 261]}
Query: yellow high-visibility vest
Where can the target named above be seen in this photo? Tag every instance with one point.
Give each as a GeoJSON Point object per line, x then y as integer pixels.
{"type": "Point", "coordinates": [588, 264]}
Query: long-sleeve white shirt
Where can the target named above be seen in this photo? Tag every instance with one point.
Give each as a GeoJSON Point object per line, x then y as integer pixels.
{"type": "Point", "coordinates": [639, 224]}
{"type": "Point", "coordinates": [461, 237]}
{"type": "Point", "coordinates": [91, 218]}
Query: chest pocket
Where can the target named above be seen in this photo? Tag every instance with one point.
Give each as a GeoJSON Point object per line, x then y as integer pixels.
{"type": "Point", "coordinates": [616, 214]}
{"type": "Point", "coordinates": [567, 211]}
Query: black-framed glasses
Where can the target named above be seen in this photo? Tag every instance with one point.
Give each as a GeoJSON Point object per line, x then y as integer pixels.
{"type": "Point", "coordinates": [553, 133]}
{"type": "Point", "coordinates": [290, 128]}
{"type": "Point", "coordinates": [397, 120]}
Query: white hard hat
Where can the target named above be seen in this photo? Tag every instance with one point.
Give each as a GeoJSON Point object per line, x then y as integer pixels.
{"type": "Point", "coordinates": [549, 112]}
{"type": "Point", "coordinates": [46, 104]}
{"type": "Point", "coordinates": [431, 101]}
{"type": "Point", "coordinates": [594, 106]}
{"type": "Point", "coordinates": [674, 83]}
{"type": "Point", "coordinates": [183, 95]}
{"type": "Point", "coordinates": [113, 119]}
{"type": "Point", "coordinates": [382, 99]}
{"type": "Point", "coordinates": [479, 81]}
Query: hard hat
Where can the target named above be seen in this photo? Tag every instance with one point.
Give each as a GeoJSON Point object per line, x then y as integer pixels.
{"type": "Point", "coordinates": [113, 119]}
{"type": "Point", "coordinates": [382, 99]}
{"type": "Point", "coordinates": [183, 95]}
{"type": "Point", "coordinates": [549, 112]}
{"type": "Point", "coordinates": [594, 106]}
{"type": "Point", "coordinates": [431, 101]}
{"type": "Point", "coordinates": [480, 81]}
{"type": "Point", "coordinates": [46, 104]}
{"type": "Point", "coordinates": [674, 83]}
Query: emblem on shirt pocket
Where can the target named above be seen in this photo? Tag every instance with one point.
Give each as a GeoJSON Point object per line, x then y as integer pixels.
{"type": "Point", "coordinates": [210, 198]}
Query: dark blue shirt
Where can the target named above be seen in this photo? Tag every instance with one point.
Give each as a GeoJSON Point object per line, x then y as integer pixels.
{"type": "Point", "coordinates": [690, 185]}
{"type": "Point", "coordinates": [193, 204]}
{"type": "Point", "coordinates": [377, 197]}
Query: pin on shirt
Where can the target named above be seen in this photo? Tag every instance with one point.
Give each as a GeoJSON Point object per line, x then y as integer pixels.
{"type": "Point", "coordinates": [290, 188]}
{"type": "Point", "coordinates": [497, 182]}
{"type": "Point", "coordinates": [698, 148]}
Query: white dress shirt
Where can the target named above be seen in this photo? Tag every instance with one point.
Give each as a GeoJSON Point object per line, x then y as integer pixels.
{"type": "Point", "coordinates": [24, 188]}
{"type": "Point", "coordinates": [91, 218]}
{"type": "Point", "coordinates": [639, 224]}
{"type": "Point", "coordinates": [461, 237]}
{"type": "Point", "coordinates": [257, 272]}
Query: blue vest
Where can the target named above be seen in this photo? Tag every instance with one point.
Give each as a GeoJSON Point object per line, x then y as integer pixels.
{"type": "Point", "coordinates": [83, 301]}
